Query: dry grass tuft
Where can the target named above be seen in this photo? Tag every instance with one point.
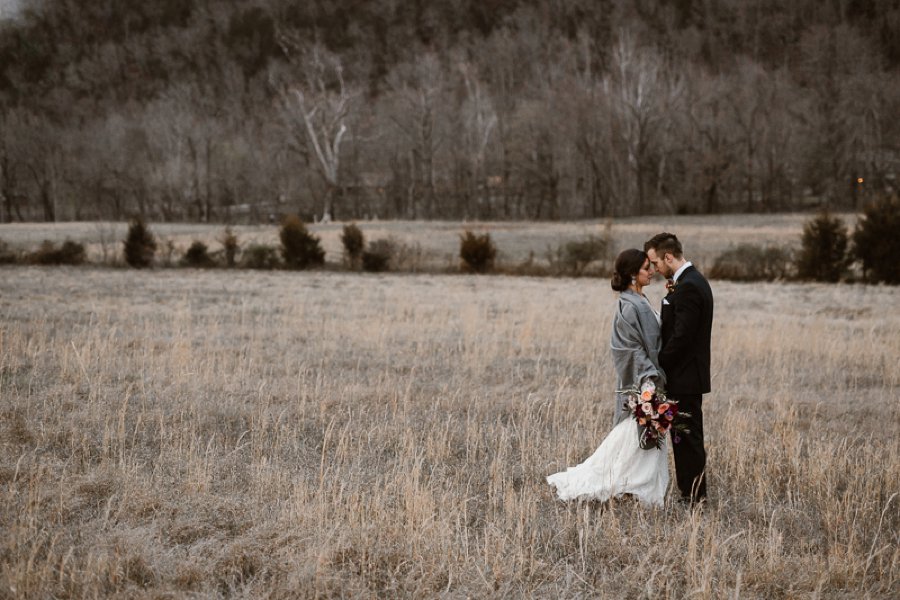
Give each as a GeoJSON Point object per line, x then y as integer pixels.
{"type": "Point", "coordinates": [137, 571]}
{"type": "Point", "coordinates": [283, 435]}
{"type": "Point", "coordinates": [17, 431]}
{"type": "Point", "coordinates": [239, 565]}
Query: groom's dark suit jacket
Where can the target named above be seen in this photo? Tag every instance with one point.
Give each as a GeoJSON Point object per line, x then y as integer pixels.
{"type": "Point", "coordinates": [687, 315]}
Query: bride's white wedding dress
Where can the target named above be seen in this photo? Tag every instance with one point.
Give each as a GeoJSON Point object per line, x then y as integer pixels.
{"type": "Point", "coordinates": [619, 466]}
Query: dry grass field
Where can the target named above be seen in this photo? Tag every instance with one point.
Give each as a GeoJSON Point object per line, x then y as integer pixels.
{"type": "Point", "coordinates": [435, 245]}
{"type": "Point", "coordinates": [183, 433]}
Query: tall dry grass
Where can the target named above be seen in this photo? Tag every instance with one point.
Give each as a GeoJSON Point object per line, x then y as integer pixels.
{"type": "Point", "coordinates": [281, 435]}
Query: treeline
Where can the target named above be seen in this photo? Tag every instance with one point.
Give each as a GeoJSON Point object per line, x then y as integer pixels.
{"type": "Point", "coordinates": [507, 109]}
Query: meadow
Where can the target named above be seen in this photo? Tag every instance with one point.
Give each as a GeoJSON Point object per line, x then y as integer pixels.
{"type": "Point", "coordinates": [187, 433]}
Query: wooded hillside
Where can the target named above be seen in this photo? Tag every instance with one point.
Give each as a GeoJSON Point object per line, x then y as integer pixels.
{"type": "Point", "coordinates": [487, 109]}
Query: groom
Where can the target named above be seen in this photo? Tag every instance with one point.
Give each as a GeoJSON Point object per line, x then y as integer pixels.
{"type": "Point", "coordinates": [687, 314]}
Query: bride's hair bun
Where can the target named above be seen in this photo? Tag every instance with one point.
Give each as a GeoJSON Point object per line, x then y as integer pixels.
{"type": "Point", "coordinates": [627, 265]}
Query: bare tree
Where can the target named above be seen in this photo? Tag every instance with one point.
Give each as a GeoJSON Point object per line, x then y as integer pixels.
{"type": "Point", "coordinates": [711, 145]}
{"type": "Point", "coordinates": [40, 156]}
{"type": "Point", "coordinates": [10, 135]}
{"type": "Point", "coordinates": [174, 172]}
{"type": "Point", "coordinates": [479, 120]}
{"type": "Point", "coordinates": [876, 135]}
{"type": "Point", "coordinates": [318, 102]}
{"type": "Point", "coordinates": [587, 126]}
{"type": "Point", "coordinates": [780, 142]}
{"type": "Point", "coordinates": [109, 173]}
{"type": "Point", "coordinates": [747, 103]}
{"type": "Point", "coordinates": [506, 60]}
{"type": "Point", "coordinates": [642, 93]}
{"type": "Point", "coordinates": [416, 94]}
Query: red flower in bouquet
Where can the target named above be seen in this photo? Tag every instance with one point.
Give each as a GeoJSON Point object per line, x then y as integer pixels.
{"type": "Point", "coordinates": [654, 412]}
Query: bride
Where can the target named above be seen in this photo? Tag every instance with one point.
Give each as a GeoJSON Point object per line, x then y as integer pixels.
{"type": "Point", "coordinates": [619, 466]}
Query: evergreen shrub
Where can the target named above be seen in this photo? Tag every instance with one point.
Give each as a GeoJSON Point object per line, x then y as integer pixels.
{"type": "Point", "coordinates": [477, 252]}
{"type": "Point", "coordinates": [876, 240]}
{"type": "Point", "coordinates": [140, 244]}
{"type": "Point", "coordinates": [299, 248]}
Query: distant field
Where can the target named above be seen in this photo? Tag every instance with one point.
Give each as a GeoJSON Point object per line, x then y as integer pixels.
{"type": "Point", "coordinates": [704, 237]}
{"type": "Point", "coordinates": [184, 433]}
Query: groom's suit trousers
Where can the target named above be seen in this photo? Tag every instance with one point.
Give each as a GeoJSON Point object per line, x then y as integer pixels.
{"type": "Point", "coordinates": [690, 454]}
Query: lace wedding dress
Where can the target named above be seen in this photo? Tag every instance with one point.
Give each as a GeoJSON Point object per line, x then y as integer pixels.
{"type": "Point", "coordinates": [619, 466]}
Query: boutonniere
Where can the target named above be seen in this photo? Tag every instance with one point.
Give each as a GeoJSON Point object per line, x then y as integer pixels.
{"type": "Point", "coordinates": [670, 285]}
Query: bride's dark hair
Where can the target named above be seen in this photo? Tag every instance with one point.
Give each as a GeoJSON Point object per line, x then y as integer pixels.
{"type": "Point", "coordinates": [627, 265]}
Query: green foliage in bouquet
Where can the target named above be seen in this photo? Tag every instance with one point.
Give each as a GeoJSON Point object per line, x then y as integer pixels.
{"type": "Point", "coordinates": [654, 413]}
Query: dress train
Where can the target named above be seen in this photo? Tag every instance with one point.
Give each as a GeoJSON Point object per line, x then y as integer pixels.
{"type": "Point", "coordinates": [619, 466]}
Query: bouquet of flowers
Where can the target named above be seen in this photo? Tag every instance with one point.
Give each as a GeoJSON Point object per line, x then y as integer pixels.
{"type": "Point", "coordinates": [655, 414]}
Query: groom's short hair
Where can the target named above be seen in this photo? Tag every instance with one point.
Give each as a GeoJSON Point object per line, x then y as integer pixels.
{"type": "Point", "coordinates": [664, 243]}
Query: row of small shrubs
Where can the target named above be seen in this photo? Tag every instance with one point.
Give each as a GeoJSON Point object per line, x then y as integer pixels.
{"type": "Point", "coordinates": [747, 262]}
{"type": "Point", "coordinates": [477, 254]}
{"type": "Point", "coordinates": [828, 252]}
{"type": "Point", "coordinates": [48, 253]}
{"type": "Point", "coordinates": [299, 249]}
{"type": "Point", "coordinates": [374, 257]}
{"type": "Point", "coordinates": [577, 257]}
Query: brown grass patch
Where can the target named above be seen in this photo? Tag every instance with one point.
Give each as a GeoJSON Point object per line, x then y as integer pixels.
{"type": "Point", "coordinates": [323, 434]}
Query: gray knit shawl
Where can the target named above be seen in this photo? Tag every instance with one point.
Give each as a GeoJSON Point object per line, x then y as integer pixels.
{"type": "Point", "coordinates": [635, 346]}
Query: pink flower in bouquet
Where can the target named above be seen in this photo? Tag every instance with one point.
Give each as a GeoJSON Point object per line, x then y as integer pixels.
{"type": "Point", "coordinates": [654, 413]}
